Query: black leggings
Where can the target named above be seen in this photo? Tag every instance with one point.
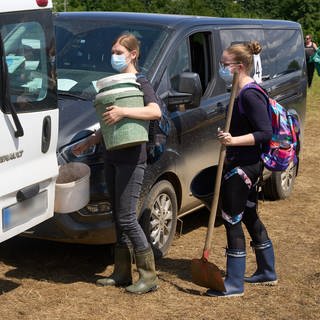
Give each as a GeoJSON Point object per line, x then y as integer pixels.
{"type": "Point", "coordinates": [310, 72]}
{"type": "Point", "coordinates": [239, 201]}
{"type": "Point", "coordinates": [256, 229]}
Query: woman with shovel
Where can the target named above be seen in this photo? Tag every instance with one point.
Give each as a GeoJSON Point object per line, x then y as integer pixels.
{"type": "Point", "coordinates": [250, 129]}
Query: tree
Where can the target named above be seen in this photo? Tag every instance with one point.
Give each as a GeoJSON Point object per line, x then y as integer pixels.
{"type": "Point", "coordinates": [306, 12]}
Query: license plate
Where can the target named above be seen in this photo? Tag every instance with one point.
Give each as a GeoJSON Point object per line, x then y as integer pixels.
{"type": "Point", "coordinates": [24, 211]}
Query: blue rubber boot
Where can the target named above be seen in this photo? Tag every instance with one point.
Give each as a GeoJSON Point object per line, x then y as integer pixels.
{"type": "Point", "coordinates": [265, 273]}
{"type": "Point", "coordinates": [236, 265]}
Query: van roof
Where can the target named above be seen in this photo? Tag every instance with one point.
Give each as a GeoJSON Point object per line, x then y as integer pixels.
{"type": "Point", "coordinates": [172, 20]}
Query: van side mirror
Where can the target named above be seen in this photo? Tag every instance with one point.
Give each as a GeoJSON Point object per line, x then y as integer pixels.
{"type": "Point", "coordinates": [189, 90]}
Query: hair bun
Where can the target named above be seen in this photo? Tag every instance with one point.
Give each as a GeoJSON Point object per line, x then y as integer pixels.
{"type": "Point", "coordinates": [254, 47]}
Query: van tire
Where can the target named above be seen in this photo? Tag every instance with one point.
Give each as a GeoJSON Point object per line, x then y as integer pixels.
{"type": "Point", "coordinates": [159, 217]}
{"type": "Point", "coordinates": [280, 184]}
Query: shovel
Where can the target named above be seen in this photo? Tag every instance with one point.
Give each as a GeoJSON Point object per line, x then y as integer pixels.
{"type": "Point", "coordinates": [205, 273]}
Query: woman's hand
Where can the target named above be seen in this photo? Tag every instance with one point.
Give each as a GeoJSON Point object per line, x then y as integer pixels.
{"type": "Point", "coordinates": [113, 114]}
{"type": "Point", "coordinates": [225, 138]}
{"type": "Point", "coordinates": [81, 147]}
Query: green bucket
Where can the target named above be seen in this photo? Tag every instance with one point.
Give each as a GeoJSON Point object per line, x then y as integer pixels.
{"type": "Point", "coordinates": [126, 132]}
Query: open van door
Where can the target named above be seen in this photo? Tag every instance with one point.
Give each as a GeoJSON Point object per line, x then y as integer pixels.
{"type": "Point", "coordinates": [28, 115]}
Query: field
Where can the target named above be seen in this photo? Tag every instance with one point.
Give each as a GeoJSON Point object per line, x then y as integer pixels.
{"type": "Point", "coordinates": [46, 280]}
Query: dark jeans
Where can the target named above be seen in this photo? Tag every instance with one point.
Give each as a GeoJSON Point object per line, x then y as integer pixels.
{"type": "Point", "coordinates": [124, 184]}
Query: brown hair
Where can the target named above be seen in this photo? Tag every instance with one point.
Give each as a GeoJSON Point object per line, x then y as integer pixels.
{"type": "Point", "coordinates": [243, 53]}
{"type": "Point", "coordinates": [130, 42]}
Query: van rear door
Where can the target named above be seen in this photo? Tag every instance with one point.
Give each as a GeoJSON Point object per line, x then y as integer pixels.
{"type": "Point", "coordinates": [28, 120]}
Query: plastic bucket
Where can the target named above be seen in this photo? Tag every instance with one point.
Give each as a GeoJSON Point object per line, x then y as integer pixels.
{"type": "Point", "coordinates": [202, 185]}
{"type": "Point", "coordinates": [72, 187]}
{"type": "Point", "coordinates": [123, 92]}
{"type": "Point", "coordinates": [117, 79]}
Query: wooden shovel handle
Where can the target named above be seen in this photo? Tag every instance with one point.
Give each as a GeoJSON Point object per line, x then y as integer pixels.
{"type": "Point", "coordinates": [222, 156]}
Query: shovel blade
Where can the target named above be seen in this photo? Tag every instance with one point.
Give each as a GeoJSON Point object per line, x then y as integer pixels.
{"type": "Point", "coordinates": [206, 274]}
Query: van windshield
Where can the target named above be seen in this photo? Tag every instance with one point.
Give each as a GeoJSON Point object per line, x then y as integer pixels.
{"type": "Point", "coordinates": [84, 52]}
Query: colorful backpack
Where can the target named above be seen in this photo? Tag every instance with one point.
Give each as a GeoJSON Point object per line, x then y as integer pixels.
{"type": "Point", "coordinates": [284, 144]}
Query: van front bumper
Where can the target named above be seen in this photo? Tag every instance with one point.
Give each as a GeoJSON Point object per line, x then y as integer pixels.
{"type": "Point", "coordinates": [76, 228]}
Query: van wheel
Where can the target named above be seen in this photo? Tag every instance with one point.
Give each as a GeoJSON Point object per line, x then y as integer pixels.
{"type": "Point", "coordinates": [280, 184]}
{"type": "Point", "coordinates": [159, 217]}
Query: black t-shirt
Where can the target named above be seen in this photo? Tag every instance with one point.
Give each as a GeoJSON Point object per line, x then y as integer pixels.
{"type": "Point", "coordinates": [253, 118]}
{"type": "Point", "coordinates": [136, 154]}
{"type": "Point", "coordinates": [309, 50]}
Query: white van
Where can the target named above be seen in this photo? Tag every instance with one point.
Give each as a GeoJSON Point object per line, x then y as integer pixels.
{"type": "Point", "coordinates": [28, 115]}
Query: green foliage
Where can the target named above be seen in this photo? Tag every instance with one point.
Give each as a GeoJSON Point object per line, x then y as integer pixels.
{"type": "Point", "coordinates": [306, 12]}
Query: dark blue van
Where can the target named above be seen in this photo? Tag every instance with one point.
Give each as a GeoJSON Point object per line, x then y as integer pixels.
{"type": "Point", "coordinates": [180, 56]}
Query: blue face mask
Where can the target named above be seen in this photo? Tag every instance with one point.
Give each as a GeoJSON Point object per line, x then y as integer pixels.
{"type": "Point", "coordinates": [225, 74]}
{"type": "Point", "coordinates": [118, 62]}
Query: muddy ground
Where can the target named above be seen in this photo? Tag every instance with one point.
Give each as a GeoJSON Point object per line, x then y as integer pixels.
{"type": "Point", "coordinates": [46, 280]}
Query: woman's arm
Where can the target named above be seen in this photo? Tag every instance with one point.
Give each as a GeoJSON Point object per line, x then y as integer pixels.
{"type": "Point", "coordinates": [255, 109]}
{"type": "Point", "coordinates": [227, 139]}
{"type": "Point", "coordinates": [255, 106]}
{"type": "Point", "coordinates": [114, 113]}
{"type": "Point", "coordinates": [95, 138]}
{"type": "Point", "coordinates": [151, 110]}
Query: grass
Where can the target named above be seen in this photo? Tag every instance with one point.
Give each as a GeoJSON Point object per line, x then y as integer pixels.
{"type": "Point", "coordinates": [313, 97]}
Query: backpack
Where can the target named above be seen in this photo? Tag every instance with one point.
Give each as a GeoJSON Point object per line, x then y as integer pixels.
{"type": "Point", "coordinates": [158, 131]}
{"type": "Point", "coordinates": [283, 147]}
{"type": "Point", "coordinates": [315, 58]}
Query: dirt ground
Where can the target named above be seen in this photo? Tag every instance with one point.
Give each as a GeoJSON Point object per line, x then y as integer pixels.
{"type": "Point", "coordinates": [46, 280]}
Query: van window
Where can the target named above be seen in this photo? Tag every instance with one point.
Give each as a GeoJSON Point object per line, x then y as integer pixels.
{"type": "Point", "coordinates": [179, 63]}
{"type": "Point", "coordinates": [280, 48]}
{"type": "Point", "coordinates": [194, 55]}
{"type": "Point", "coordinates": [200, 57]}
{"type": "Point", "coordinates": [241, 35]}
{"type": "Point", "coordinates": [26, 57]}
{"type": "Point", "coordinates": [284, 51]}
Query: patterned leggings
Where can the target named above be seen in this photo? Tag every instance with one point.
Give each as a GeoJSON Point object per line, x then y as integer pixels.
{"type": "Point", "coordinates": [239, 198]}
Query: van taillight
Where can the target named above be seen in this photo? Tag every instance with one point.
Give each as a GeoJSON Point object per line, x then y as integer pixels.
{"type": "Point", "coordinates": [42, 3]}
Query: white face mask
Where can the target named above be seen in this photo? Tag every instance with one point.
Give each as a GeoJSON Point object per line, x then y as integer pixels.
{"type": "Point", "coordinates": [225, 74]}
{"type": "Point", "coordinates": [118, 62]}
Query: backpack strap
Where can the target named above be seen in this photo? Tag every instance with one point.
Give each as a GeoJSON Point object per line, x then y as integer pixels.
{"type": "Point", "coordinates": [163, 123]}
{"type": "Point", "coordinates": [252, 85]}
{"type": "Point", "coordinates": [140, 76]}
{"type": "Point", "coordinates": [255, 86]}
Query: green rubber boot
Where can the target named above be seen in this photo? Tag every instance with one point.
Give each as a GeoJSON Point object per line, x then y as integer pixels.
{"type": "Point", "coordinates": [148, 280]}
{"type": "Point", "coordinates": [122, 273]}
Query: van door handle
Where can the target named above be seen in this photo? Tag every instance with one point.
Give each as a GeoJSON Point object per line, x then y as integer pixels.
{"type": "Point", "coordinates": [220, 108]}
{"type": "Point", "coordinates": [216, 110]}
{"type": "Point", "coordinates": [46, 134]}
